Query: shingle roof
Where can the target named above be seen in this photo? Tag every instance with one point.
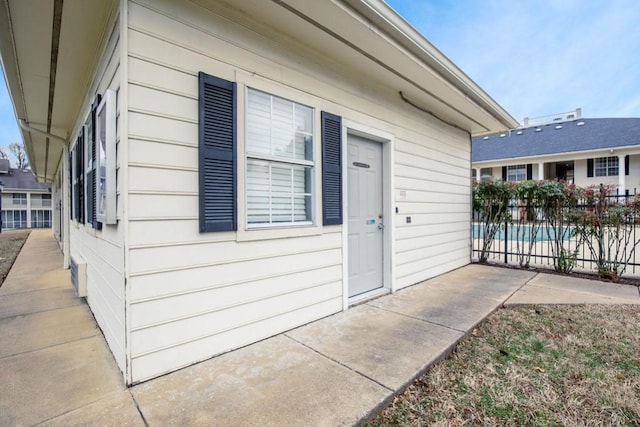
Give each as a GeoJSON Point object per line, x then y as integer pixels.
{"type": "Point", "coordinates": [557, 137]}
{"type": "Point", "coordinates": [21, 180]}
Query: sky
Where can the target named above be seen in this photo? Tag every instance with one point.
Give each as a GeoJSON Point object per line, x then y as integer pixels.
{"type": "Point", "coordinates": [534, 57]}
{"type": "Point", "coordinates": [539, 57]}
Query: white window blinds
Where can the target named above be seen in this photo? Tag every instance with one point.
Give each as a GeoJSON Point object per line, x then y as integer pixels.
{"type": "Point", "coordinates": [279, 160]}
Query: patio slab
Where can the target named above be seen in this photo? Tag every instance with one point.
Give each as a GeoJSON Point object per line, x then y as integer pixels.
{"type": "Point", "coordinates": [22, 333]}
{"type": "Point", "coordinates": [387, 347]}
{"type": "Point", "coordinates": [36, 301]}
{"type": "Point", "coordinates": [117, 409]}
{"type": "Point", "coordinates": [558, 289]}
{"type": "Point", "coordinates": [438, 305]}
{"type": "Point", "coordinates": [275, 382]}
{"type": "Point", "coordinates": [483, 281]}
{"type": "Point", "coordinates": [42, 384]}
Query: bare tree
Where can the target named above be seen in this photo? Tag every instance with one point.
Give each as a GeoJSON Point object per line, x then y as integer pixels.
{"type": "Point", "coordinates": [3, 153]}
{"type": "Point", "coordinates": [20, 154]}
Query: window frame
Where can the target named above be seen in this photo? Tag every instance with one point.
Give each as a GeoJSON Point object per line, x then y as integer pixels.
{"type": "Point", "coordinates": [74, 182]}
{"type": "Point", "coordinates": [106, 159]}
{"type": "Point", "coordinates": [519, 170]}
{"type": "Point", "coordinates": [310, 180]}
{"type": "Point", "coordinates": [486, 176]}
{"type": "Point", "coordinates": [611, 165]}
{"type": "Point", "coordinates": [19, 201]}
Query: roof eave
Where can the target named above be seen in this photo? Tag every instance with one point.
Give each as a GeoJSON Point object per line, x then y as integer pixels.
{"type": "Point", "coordinates": [412, 40]}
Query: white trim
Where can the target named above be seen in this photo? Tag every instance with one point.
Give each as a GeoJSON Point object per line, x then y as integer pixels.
{"type": "Point", "coordinates": [562, 156]}
{"type": "Point", "coordinates": [360, 298]}
{"type": "Point", "coordinates": [247, 232]}
{"type": "Point", "coordinates": [387, 140]}
{"type": "Point", "coordinates": [108, 108]}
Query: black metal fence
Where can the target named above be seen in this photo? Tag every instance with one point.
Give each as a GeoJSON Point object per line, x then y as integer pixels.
{"type": "Point", "coordinates": [530, 237]}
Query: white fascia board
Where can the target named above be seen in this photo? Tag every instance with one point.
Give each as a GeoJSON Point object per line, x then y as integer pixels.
{"type": "Point", "coordinates": [412, 40]}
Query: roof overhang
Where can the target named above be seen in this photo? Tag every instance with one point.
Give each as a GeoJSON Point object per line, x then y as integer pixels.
{"type": "Point", "coordinates": [48, 52]}
{"type": "Point", "coordinates": [560, 157]}
{"type": "Point", "coordinates": [368, 37]}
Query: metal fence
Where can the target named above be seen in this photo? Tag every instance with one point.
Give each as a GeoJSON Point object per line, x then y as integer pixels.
{"type": "Point", "coordinates": [530, 231]}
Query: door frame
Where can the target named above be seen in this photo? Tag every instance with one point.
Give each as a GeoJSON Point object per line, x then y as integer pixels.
{"type": "Point", "coordinates": [386, 140]}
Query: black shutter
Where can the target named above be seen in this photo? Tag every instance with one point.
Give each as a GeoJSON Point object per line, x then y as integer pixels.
{"type": "Point", "coordinates": [77, 188]}
{"type": "Point", "coordinates": [589, 168]}
{"type": "Point", "coordinates": [71, 185]}
{"type": "Point", "coordinates": [504, 173]}
{"type": "Point", "coordinates": [529, 171]}
{"type": "Point", "coordinates": [90, 192]}
{"type": "Point", "coordinates": [217, 154]}
{"type": "Point", "coordinates": [91, 175]}
{"type": "Point", "coordinates": [331, 128]}
{"type": "Point", "coordinates": [626, 164]}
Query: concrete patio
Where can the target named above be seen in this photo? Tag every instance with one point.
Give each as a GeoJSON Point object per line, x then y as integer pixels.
{"type": "Point", "coordinates": [56, 369]}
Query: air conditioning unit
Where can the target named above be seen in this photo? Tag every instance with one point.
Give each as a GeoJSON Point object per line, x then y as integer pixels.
{"type": "Point", "coordinates": [78, 268]}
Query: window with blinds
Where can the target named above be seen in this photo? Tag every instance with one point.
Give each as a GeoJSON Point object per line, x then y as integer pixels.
{"type": "Point", "coordinates": [606, 166]}
{"type": "Point", "coordinates": [280, 161]}
{"type": "Point", "coordinates": [517, 173]}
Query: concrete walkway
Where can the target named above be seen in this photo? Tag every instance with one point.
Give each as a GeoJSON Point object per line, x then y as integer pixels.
{"type": "Point", "coordinates": [55, 367]}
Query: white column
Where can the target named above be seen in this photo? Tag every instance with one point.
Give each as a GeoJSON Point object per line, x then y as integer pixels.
{"type": "Point", "coordinates": [478, 175]}
{"type": "Point", "coordinates": [540, 171]}
{"type": "Point", "coordinates": [621, 180]}
{"type": "Point", "coordinates": [28, 209]}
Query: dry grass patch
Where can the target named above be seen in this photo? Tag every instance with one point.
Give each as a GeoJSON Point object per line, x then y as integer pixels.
{"type": "Point", "coordinates": [560, 365]}
{"type": "Point", "coordinates": [10, 244]}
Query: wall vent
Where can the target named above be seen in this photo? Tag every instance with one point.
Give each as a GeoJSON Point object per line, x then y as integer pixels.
{"type": "Point", "coordinates": [78, 268]}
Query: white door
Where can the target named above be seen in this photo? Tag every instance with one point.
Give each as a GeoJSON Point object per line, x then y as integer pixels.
{"type": "Point", "coordinates": [364, 193]}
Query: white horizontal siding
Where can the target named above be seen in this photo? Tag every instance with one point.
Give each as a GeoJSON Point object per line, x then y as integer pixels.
{"type": "Point", "coordinates": [103, 250]}
{"type": "Point", "coordinates": [152, 364]}
{"type": "Point", "coordinates": [166, 258]}
{"type": "Point", "coordinates": [434, 178]}
{"type": "Point", "coordinates": [169, 284]}
{"type": "Point", "coordinates": [194, 295]}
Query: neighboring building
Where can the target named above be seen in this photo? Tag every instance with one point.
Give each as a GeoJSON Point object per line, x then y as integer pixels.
{"type": "Point", "coordinates": [564, 146]}
{"type": "Point", "coordinates": [232, 170]}
{"type": "Point", "coordinates": [25, 203]}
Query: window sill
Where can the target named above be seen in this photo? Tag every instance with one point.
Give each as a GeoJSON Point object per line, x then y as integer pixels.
{"type": "Point", "coordinates": [267, 232]}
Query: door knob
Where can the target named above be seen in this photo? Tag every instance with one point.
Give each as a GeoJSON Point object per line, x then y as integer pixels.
{"type": "Point", "coordinates": [380, 226]}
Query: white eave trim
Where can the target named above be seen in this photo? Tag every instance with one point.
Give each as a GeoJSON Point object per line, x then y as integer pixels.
{"type": "Point", "coordinates": [567, 155]}
{"type": "Point", "coordinates": [412, 40]}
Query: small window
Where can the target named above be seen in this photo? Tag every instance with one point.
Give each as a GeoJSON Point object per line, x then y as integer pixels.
{"type": "Point", "coordinates": [606, 166]}
{"type": "Point", "coordinates": [20, 199]}
{"type": "Point", "coordinates": [105, 158]}
{"type": "Point", "coordinates": [40, 218]}
{"type": "Point", "coordinates": [486, 174]}
{"type": "Point", "coordinates": [517, 173]}
{"type": "Point", "coordinates": [280, 163]}
{"type": "Point", "coordinates": [13, 219]}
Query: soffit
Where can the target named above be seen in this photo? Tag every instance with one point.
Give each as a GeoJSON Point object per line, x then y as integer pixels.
{"type": "Point", "coordinates": [28, 52]}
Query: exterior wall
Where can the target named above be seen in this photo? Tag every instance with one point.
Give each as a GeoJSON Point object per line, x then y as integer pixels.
{"type": "Point", "coordinates": [33, 202]}
{"type": "Point", "coordinates": [103, 250]}
{"type": "Point", "coordinates": [432, 170]}
{"type": "Point", "coordinates": [632, 181]}
{"type": "Point", "coordinates": [193, 295]}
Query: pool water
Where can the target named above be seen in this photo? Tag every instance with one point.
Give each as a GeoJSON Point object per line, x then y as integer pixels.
{"type": "Point", "coordinates": [522, 233]}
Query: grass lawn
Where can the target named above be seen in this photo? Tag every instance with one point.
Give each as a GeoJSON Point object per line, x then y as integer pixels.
{"type": "Point", "coordinates": [547, 365]}
{"type": "Point", "coordinates": [10, 244]}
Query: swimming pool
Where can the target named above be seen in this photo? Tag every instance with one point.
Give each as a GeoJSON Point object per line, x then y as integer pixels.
{"type": "Point", "coordinates": [522, 232]}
